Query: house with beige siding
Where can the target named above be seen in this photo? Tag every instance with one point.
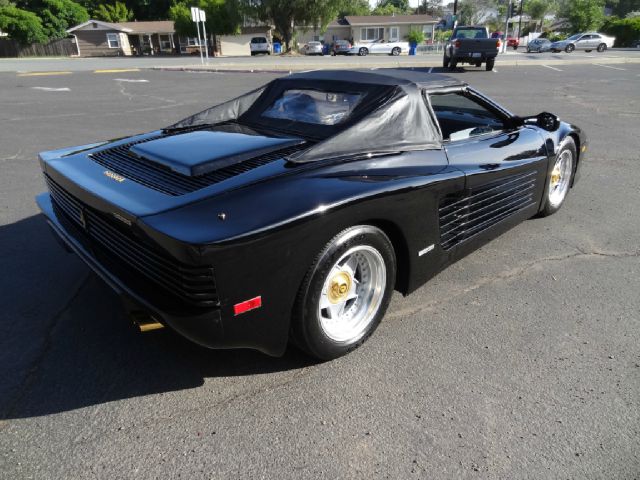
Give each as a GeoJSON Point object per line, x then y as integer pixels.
{"type": "Point", "coordinates": [390, 28]}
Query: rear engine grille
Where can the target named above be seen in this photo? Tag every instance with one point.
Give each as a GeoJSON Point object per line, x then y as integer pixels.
{"type": "Point", "coordinates": [158, 177]}
{"type": "Point", "coordinates": [194, 285]}
{"type": "Point", "coordinates": [462, 217]}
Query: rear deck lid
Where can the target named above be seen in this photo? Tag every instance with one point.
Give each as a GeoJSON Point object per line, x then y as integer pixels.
{"type": "Point", "coordinates": [201, 152]}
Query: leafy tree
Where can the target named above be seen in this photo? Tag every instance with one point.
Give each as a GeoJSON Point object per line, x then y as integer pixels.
{"type": "Point", "coordinates": [284, 14]}
{"type": "Point", "coordinates": [23, 26]}
{"type": "Point", "coordinates": [59, 15]}
{"type": "Point", "coordinates": [114, 13]}
{"type": "Point", "coordinates": [537, 9]}
{"type": "Point", "coordinates": [223, 17]}
{"type": "Point", "coordinates": [355, 7]}
{"type": "Point", "coordinates": [180, 13]}
{"type": "Point", "coordinates": [399, 5]}
{"type": "Point", "coordinates": [416, 36]}
{"type": "Point", "coordinates": [430, 7]}
{"type": "Point", "coordinates": [582, 15]}
{"type": "Point", "coordinates": [626, 30]}
{"type": "Point", "coordinates": [473, 12]}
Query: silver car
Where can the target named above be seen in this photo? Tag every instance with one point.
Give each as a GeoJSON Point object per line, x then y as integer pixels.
{"type": "Point", "coordinates": [539, 45]}
{"type": "Point", "coordinates": [313, 48]}
{"type": "Point", "coordinates": [584, 41]}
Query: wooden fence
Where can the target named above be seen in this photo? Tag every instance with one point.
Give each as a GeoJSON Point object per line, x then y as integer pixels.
{"type": "Point", "coordinates": [64, 47]}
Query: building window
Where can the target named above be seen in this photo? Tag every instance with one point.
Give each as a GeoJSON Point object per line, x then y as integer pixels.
{"type": "Point", "coordinates": [427, 30]}
{"type": "Point", "coordinates": [165, 42]}
{"type": "Point", "coordinates": [394, 34]}
{"type": "Point", "coordinates": [371, 34]}
{"type": "Point", "coordinates": [192, 42]}
{"type": "Point", "coordinates": [113, 39]}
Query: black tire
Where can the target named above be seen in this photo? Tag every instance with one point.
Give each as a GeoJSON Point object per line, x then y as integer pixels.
{"type": "Point", "coordinates": [453, 63]}
{"type": "Point", "coordinates": [307, 330]}
{"type": "Point", "coordinates": [528, 50]}
{"type": "Point", "coordinates": [568, 145]}
{"type": "Point", "coordinates": [602, 47]}
{"type": "Point", "coordinates": [445, 62]}
{"type": "Point", "coordinates": [363, 52]}
{"type": "Point", "coordinates": [588, 51]}
{"type": "Point", "coordinates": [478, 64]}
{"type": "Point", "coordinates": [515, 47]}
{"type": "Point", "coordinates": [569, 48]}
{"type": "Point", "coordinates": [490, 63]}
{"type": "Point", "coordinates": [395, 51]}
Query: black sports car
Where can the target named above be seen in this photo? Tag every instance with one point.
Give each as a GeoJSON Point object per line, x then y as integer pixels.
{"type": "Point", "coordinates": [294, 211]}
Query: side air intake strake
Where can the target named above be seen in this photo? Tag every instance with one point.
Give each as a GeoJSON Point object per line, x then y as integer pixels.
{"type": "Point", "coordinates": [463, 216]}
{"type": "Point", "coordinates": [159, 177]}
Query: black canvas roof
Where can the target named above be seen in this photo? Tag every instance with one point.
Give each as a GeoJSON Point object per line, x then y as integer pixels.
{"type": "Point", "coordinates": [383, 76]}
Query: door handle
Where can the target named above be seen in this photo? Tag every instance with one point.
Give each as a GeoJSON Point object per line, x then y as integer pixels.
{"type": "Point", "coordinates": [490, 166]}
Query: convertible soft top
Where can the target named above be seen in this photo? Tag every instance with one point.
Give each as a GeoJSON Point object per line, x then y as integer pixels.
{"type": "Point", "coordinates": [392, 115]}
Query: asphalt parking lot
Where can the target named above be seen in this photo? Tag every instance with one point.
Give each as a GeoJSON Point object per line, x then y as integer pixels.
{"type": "Point", "coordinates": [520, 361]}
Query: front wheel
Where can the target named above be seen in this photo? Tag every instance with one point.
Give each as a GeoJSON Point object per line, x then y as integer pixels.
{"type": "Point", "coordinates": [363, 52]}
{"type": "Point", "coordinates": [490, 63]}
{"type": "Point", "coordinates": [602, 47]}
{"type": "Point", "coordinates": [569, 48]}
{"type": "Point", "coordinates": [345, 293]}
{"type": "Point", "coordinates": [528, 50]}
{"type": "Point", "coordinates": [561, 177]}
{"type": "Point", "coordinates": [515, 47]}
{"type": "Point", "coordinates": [395, 51]}
{"type": "Point", "coordinates": [445, 62]}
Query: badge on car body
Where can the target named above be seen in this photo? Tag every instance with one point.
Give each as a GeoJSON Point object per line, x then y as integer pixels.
{"type": "Point", "coordinates": [114, 176]}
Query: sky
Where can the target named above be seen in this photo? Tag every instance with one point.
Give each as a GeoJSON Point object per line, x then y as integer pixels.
{"type": "Point", "coordinates": [413, 3]}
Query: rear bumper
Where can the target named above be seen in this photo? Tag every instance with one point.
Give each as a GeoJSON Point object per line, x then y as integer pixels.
{"type": "Point", "coordinates": [202, 326]}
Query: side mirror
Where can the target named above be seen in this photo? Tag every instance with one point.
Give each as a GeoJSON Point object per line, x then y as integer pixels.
{"type": "Point", "coordinates": [548, 121]}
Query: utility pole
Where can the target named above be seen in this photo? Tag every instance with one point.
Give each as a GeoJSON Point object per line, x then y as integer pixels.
{"type": "Point", "coordinates": [520, 19]}
{"type": "Point", "coordinates": [455, 13]}
{"type": "Point", "coordinates": [506, 27]}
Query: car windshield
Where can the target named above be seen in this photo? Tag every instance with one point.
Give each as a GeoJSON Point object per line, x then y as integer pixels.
{"type": "Point", "coordinates": [313, 106]}
{"type": "Point", "coordinates": [471, 33]}
{"type": "Point", "coordinates": [258, 40]}
{"type": "Point", "coordinates": [575, 37]}
{"type": "Point", "coordinates": [314, 43]}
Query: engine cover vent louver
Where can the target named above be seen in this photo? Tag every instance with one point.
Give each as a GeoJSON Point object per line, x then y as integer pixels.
{"type": "Point", "coordinates": [162, 179]}
{"type": "Point", "coordinates": [462, 217]}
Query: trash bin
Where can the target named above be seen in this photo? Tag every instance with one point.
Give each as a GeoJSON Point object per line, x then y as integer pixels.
{"type": "Point", "coordinates": [412, 48]}
{"type": "Point", "coordinates": [325, 49]}
{"type": "Point", "coordinates": [277, 47]}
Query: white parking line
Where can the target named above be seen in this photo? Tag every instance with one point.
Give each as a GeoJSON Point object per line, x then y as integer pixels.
{"type": "Point", "coordinates": [609, 66]}
{"type": "Point", "coordinates": [431, 69]}
{"type": "Point", "coordinates": [51, 89]}
{"type": "Point", "coordinates": [552, 68]}
{"type": "Point", "coordinates": [131, 80]}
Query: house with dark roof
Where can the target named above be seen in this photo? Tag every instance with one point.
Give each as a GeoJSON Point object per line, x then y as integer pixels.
{"type": "Point", "coordinates": [367, 28]}
{"type": "Point", "coordinates": [96, 38]}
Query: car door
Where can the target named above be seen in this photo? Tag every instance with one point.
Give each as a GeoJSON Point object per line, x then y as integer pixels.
{"type": "Point", "coordinates": [505, 169]}
{"type": "Point", "coordinates": [583, 43]}
{"type": "Point", "coordinates": [379, 46]}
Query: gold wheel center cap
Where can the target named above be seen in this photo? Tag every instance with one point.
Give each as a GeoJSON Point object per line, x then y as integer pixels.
{"type": "Point", "coordinates": [339, 287]}
{"type": "Point", "coordinates": [555, 177]}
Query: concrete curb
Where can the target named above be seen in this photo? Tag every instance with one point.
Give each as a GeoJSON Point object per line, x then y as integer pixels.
{"type": "Point", "coordinates": [297, 67]}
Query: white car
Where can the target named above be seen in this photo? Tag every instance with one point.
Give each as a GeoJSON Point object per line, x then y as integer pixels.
{"type": "Point", "coordinates": [584, 41]}
{"type": "Point", "coordinates": [260, 45]}
{"type": "Point", "coordinates": [379, 47]}
{"type": "Point", "coordinates": [313, 48]}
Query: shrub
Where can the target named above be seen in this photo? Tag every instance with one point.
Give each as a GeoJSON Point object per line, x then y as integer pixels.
{"type": "Point", "coordinates": [626, 30]}
{"type": "Point", "coordinates": [416, 37]}
{"type": "Point", "coordinates": [22, 26]}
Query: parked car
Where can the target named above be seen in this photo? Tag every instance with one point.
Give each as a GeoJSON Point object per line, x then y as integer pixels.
{"type": "Point", "coordinates": [260, 45]}
{"type": "Point", "coordinates": [291, 212]}
{"type": "Point", "coordinates": [471, 45]}
{"type": "Point", "coordinates": [379, 47]}
{"type": "Point", "coordinates": [313, 48]}
{"type": "Point", "coordinates": [635, 44]}
{"type": "Point", "coordinates": [340, 47]}
{"type": "Point", "coordinates": [513, 43]}
{"type": "Point", "coordinates": [584, 41]}
{"type": "Point", "coordinates": [539, 45]}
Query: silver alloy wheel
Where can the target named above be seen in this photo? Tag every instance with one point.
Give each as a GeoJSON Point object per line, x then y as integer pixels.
{"type": "Point", "coordinates": [560, 180]}
{"type": "Point", "coordinates": [352, 293]}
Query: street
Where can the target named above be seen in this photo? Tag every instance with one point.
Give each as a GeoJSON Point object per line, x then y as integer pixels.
{"type": "Point", "coordinates": [519, 361]}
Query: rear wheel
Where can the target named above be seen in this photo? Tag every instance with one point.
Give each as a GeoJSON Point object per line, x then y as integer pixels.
{"type": "Point", "coordinates": [445, 62]}
{"type": "Point", "coordinates": [478, 64]}
{"type": "Point", "coordinates": [453, 63]}
{"type": "Point", "coordinates": [561, 177]}
{"type": "Point", "coordinates": [515, 47]}
{"type": "Point", "coordinates": [345, 293]}
{"type": "Point", "coordinates": [395, 51]}
{"type": "Point", "coordinates": [602, 47]}
{"type": "Point", "coordinates": [363, 52]}
{"type": "Point", "coordinates": [528, 50]}
{"type": "Point", "coordinates": [569, 48]}
{"type": "Point", "coordinates": [490, 63]}
{"type": "Point", "coordinates": [587, 51]}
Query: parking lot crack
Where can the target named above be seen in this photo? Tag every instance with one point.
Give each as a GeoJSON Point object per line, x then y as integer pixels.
{"type": "Point", "coordinates": [34, 367]}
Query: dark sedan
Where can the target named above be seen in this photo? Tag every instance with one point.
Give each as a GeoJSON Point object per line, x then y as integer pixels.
{"type": "Point", "coordinates": [294, 211]}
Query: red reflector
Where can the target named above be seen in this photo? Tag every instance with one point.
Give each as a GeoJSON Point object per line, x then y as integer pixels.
{"type": "Point", "coordinates": [247, 305]}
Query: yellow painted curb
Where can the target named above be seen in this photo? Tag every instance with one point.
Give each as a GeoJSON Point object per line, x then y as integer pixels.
{"type": "Point", "coordinates": [117, 70]}
{"type": "Point", "coordinates": [42, 74]}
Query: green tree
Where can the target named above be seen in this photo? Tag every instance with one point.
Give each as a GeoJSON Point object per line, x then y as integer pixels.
{"type": "Point", "coordinates": [473, 12]}
{"type": "Point", "coordinates": [180, 13]}
{"type": "Point", "coordinates": [223, 17]}
{"type": "Point", "coordinates": [537, 9]}
{"type": "Point", "coordinates": [114, 13]}
{"type": "Point", "coordinates": [430, 7]}
{"type": "Point", "coordinates": [387, 9]}
{"type": "Point", "coordinates": [23, 26]}
{"type": "Point", "coordinates": [59, 15]}
{"type": "Point", "coordinates": [355, 7]}
{"type": "Point", "coordinates": [284, 14]}
{"type": "Point", "coordinates": [582, 15]}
